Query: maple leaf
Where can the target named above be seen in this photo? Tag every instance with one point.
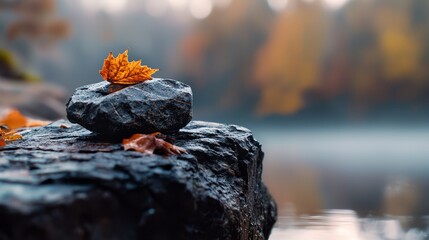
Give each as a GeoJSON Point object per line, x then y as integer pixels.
{"type": "Point", "coordinates": [119, 71]}
{"type": "Point", "coordinates": [149, 143]}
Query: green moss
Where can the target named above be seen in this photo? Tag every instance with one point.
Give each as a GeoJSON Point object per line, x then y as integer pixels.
{"type": "Point", "coordinates": [8, 62]}
{"type": "Point", "coordinates": [7, 59]}
{"type": "Point", "coordinates": [31, 77]}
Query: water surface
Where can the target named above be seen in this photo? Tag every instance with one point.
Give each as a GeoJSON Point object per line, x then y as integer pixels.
{"type": "Point", "coordinates": [348, 182]}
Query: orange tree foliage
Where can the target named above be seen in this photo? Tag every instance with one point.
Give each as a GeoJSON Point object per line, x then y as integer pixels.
{"type": "Point", "coordinates": [290, 61]}
{"type": "Point", "coordinates": [120, 71]}
{"type": "Point", "coordinates": [367, 53]}
{"type": "Point", "coordinates": [216, 57]}
{"type": "Point", "coordinates": [400, 49]}
{"type": "Point", "coordinates": [386, 51]}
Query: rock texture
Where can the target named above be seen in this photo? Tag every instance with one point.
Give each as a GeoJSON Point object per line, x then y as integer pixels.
{"type": "Point", "coordinates": [158, 105]}
{"type": "Point", "coordinates": [68, 183]}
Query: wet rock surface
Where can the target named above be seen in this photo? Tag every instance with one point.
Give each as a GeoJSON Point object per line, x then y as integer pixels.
{"type": "Point", "coordinates": [68, 183]}
{"type": "Point", "coordinates": [158, 105]}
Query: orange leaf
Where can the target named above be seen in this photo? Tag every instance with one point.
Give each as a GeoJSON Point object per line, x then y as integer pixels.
{"type": "Point", "coordinates": [149, 143]}
{"type": "Point", "coordinates": [12, 136]}
{"type": "Point", "coordinates": [13, 119]}
{"type": "Point", "coordinates": [119, 71]}
{"type": "Point", "coordinates": [8, 136]}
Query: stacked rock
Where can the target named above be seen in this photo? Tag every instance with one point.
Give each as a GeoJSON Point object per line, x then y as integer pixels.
{"type": "Point", "coordinates": [157, 105]}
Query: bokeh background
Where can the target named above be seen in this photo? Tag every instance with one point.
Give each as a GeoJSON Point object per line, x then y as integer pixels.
{"type": "Point", "coordinates": [337, 91]}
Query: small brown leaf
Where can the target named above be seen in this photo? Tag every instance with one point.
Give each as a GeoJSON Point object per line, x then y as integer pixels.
{"type": "Point", "coordinates": [119, 71]}
{"type": "Point", "coordinates": [149, 143]}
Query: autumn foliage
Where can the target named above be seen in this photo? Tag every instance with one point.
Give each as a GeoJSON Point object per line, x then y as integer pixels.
{"type": "Point", "coordinates": [120, 71]}
{"type": "Point", "coordinates": [12, 120]}
{"type": "Point", "coordinates": [308, 58]}
{"type": "Point", "coordinates": [149, 143]}
{"type": "Point", "coordinates": [7, 136]}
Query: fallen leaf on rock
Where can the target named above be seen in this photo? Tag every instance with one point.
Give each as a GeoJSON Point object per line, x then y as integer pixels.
{"type": "Point", "coordinates": [149, 143]}
{"type": "Point", "coordinates": [8, 136]}
{"type": "Point", "coordinates": [14, 119]}
{"type": "Point", "coordinates": [119, 71]}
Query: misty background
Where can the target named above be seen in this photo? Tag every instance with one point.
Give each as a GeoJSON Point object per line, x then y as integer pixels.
{"type": "Point", "coordinates": [246, 60]}
{"type": "Point", "coordinates": [337, 91]}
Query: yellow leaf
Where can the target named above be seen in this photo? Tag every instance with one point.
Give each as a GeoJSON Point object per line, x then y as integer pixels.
{"type": "Point", "coordinates": [119, 71]}
{"type": "Point", "coordinates": [8, 136]}
{"type": "Point", "coordinates": [12, 137]}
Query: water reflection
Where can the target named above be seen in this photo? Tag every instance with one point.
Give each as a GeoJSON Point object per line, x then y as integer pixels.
{"type": "Point", "coordinates": [378, 174]}
{"type": "Point", "coordinates": [344, 224]}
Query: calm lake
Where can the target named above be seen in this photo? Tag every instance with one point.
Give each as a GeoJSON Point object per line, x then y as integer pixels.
{"type": "Point", "coordinates": [348, 182]}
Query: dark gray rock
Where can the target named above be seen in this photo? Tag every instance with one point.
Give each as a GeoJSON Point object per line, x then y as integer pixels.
{"type": "Point", "coordinates": [67, 183]}
{"type": "Point", "coordinates": [158, 105]}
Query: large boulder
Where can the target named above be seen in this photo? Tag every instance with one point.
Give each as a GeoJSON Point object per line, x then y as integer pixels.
{"type": "Point", "coordinates": [69, 183]}
{"type": "Point", "coordinates": [158, 105]}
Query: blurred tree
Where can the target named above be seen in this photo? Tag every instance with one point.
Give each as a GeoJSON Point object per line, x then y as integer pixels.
{"type": "Point", "coordinates": [36, 21]}
{"type": "Point", "coordinates": [362, 58]}
{"type": "Point", "coordinates": [290, 62]}
{"type": "Point", "coordinates": [379, 54]}
{"type": "Point", "coordinates": [402, 45]}
{"type": "Point", "coordinates": [218, 56]}
{"type": "Point", "coordinates": [369, 55]}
